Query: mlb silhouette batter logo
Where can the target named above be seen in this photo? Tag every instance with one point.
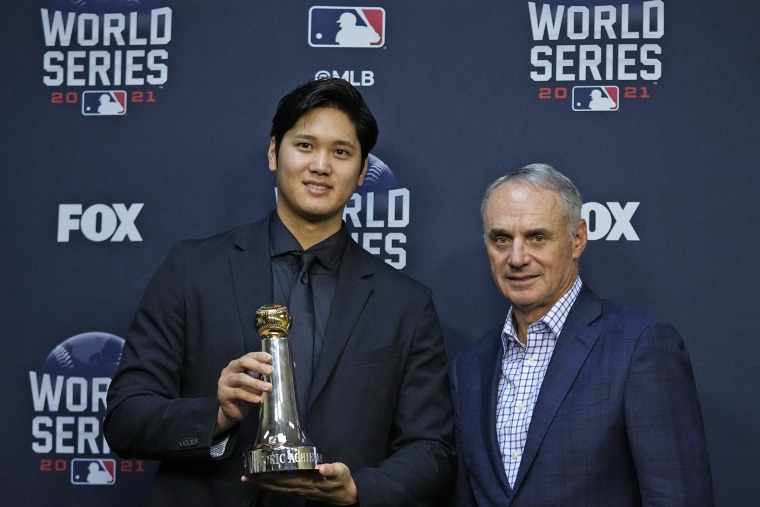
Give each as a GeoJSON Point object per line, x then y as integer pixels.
{"type": "Point", "coordinates": [346, 27]}
{"type": "Point", "coordinates": [595, 98]}
{"type": "Point", "coordinates": [104, 103]}
{"type": "Point", "coordinates": [93, 471]}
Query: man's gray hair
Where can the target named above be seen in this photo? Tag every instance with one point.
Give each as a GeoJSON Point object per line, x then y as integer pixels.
{"type": "Point", "coordinates": [545, 177]}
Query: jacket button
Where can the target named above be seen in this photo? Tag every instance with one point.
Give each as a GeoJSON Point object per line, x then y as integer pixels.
{"type": "Point", "coordinates": [188, 442]}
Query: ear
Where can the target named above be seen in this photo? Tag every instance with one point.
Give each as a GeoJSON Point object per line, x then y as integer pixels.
{"type": "Point", "coordinates": [580, 239]}
{"type": "Point", "coordinates": [272, 155]}
{"type": "Point", "coordinates": [363, 173]}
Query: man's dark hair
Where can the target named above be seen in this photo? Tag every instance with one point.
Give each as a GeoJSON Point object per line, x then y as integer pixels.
{"type": "Point", "coordinates": [330, 92]}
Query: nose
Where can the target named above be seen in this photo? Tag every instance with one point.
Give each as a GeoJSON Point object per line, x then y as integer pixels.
{"type": "Point", "coordinates": [518, 255]}
{"type": "Point", "coordinates": [320, 164]}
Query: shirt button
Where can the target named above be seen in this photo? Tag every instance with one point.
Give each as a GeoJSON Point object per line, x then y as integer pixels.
{"type": "Point", "coordinates": [515, 455]}
{"type": "Point", "coordinates": [531, 360]}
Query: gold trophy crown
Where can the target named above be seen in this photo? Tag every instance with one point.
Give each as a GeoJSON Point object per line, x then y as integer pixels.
{"type": "Point", "coordinates": [273, 321]}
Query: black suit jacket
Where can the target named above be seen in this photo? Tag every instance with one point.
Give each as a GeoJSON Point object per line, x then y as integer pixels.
{"type": "Point", "coordinates": [379, 403]}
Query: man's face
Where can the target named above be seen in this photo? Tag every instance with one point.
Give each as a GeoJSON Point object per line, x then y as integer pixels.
{"type": "Point", "coordinates": [533, 261]}
{"type": "Point", "coordinates": [318, 167]}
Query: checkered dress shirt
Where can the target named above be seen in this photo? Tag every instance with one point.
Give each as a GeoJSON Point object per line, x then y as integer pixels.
{"type": "Point", "coordinates": [522, 371]}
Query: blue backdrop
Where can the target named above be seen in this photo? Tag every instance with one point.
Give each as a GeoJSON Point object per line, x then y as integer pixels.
{"type": "Point", "coordinates": [128, 125]}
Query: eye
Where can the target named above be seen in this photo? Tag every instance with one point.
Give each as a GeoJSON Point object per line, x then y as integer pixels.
{"type": "Point", "coordinates": [304, 146]}
{"type": "Point", "coordinates": [539, 238]}
{"type": "Point", "coordinates": [500, 240]}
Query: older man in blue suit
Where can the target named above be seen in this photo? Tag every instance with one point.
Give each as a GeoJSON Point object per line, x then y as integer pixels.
{"type": "Point", "coordinates": [575, 401]}
{"type": "Point", "coordinates": [192, 373]}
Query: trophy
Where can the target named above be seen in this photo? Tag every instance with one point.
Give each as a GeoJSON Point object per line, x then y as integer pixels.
{"type": "Point", "coordinates": [281, 445]}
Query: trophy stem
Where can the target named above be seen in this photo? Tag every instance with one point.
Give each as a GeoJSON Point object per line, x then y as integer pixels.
{"type": "Point", "coordinates": [281, 444]}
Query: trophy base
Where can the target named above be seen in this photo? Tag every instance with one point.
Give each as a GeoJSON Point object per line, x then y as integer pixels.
{"type": "Point", "coordinates": [282, 459]}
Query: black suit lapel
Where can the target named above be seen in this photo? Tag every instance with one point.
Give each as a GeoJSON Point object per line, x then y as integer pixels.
{"type": "Point", "coordinates": [351, 293]}
{"type": "Point", "coordinates": [250, 266]}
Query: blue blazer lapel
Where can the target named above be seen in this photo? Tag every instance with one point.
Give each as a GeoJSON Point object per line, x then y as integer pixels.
{"type": "Point", "coordinates": [573, 347]}
{"type": "Point", "coordinates": [251, 271]}
{"type": "Point", "coordinates": [490, 389]}
{"type": "Point", "coordinates": [477, 375]}
{"type": "Point", "coordinates": [351, 293]}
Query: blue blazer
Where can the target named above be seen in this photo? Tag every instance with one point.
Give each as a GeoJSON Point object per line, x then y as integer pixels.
{"type": "Point", "coordinates": [380, 400]}
{"type": "Point", "coordinates": [617, 421]}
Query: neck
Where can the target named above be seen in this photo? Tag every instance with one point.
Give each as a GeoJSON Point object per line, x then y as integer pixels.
{"type": "Point", "coordinates": [522, 318]}
{"type": "Point", "coordinates": [310, 233]}
{"type": "Point", "coordinates": [521, 323]}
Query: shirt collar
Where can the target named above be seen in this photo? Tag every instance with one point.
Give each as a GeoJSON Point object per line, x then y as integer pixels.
{"type": "Point", "coordinates": [328, 251]}
{"type": "Point", "coordinates": [554, 319]}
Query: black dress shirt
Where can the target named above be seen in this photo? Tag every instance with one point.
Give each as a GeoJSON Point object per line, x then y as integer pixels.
{"type": "Point", "coordinates": [324, 273]}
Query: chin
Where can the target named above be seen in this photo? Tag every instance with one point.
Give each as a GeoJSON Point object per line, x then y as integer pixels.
{"type": "Point", "coordinates": [524, 301]}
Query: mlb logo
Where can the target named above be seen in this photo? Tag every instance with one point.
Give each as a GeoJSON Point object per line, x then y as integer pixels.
{"type": "Point", "coordinates": [104, 103]}
{"type": "Point", "coordinates": [90, 472]}
{"type": "Point", "coordinates": [595, 98]}
{"type": "Point", "coordinates": [346, 27]}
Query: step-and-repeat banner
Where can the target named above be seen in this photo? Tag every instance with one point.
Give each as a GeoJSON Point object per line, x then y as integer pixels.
{"type": "Point", "coordinates": [127, 125]}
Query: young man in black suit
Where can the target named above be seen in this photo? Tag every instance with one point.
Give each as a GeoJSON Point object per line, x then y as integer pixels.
{"type": "Point", "coordinates": [378, 406]}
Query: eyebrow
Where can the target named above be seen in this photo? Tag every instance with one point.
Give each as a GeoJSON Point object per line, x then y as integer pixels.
{"type": "Point", "coordinates": [492, 233]}
{"type": "Point", "coordinates": [309, 137]}
{"type": "Point", "coordinates": [540, 231]}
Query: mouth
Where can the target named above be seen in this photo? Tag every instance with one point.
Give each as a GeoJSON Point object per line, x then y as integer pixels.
{"type": "Point", "coordinates": [317, 187]}
{"type": "Point", "coordinates": [521, 278]}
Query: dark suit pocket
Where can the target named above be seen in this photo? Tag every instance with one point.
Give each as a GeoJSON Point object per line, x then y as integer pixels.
{"type": "Point", "coordinates": [379, 354]}
{"type": "Point", "coordinates": [582, 397]}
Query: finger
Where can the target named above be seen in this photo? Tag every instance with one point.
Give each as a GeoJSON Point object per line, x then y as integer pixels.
{"type": "Point", "coordinates": [325, 470]}
{"type": "Point", "coordinates": [330, 471]}
{"type": "Point", "coordinates": [257, 357]}
{"type": "Point", "coordinates": [260, 356]}
{"type": "Point", "coordinates": [255, 365]}
{"type": "Point", "coordinates": [239, 371]}
{"type": "Point", "coordinates": [250, 391]}
{"type": "Point", "coordinates": [243, 380]}
{"type": "Point", "coordinates": [234, 388]}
